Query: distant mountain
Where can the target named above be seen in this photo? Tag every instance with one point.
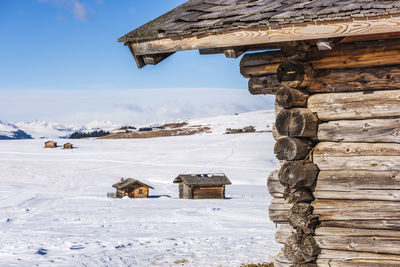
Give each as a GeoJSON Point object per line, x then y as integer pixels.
{"type": "Point", "coordinates": [261, 121]}
{"type": "Point", "coordinates": [9, 131]}
{"type": "Point", "coordinates": [43, 129]}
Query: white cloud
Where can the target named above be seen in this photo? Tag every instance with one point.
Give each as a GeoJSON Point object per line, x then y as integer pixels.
{"type": "Point", "coordinates": [136, 106]}
{"type": "Point", "coordinates": [75, 6]}
{"type": "Point", "coordinates": [80, 11]}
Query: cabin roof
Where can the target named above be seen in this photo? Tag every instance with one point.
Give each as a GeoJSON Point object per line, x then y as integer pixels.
{"type": "Point", "coordinates": [128, 182]}
{"type": "Point", "coordinates": [203, 179]}
{"type": "Point", "coordinates": [50, 142]}
{"type": "Point", "coordinates": [237, 26]}
{"type": "Point", "coordinates": [197, 17]}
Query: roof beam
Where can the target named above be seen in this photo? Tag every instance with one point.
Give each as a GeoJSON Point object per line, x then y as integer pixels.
{"type": "Point", "coordinates": [285, 33]}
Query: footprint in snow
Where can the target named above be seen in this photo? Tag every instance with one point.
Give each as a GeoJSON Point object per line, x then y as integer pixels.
{"type": "Point", "coordinates": [76, 247]}
{"type": "Point", "coordinates": [42, 251]}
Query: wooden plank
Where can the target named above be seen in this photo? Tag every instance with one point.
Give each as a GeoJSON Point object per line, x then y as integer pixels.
{"type": "Point", "coordinates": [364, 57]}
{"type": "Point", "coordinates": [357, 79]}
{"type": "Point", "coordinates": [350, 232]}
{"type": "Point", "coordinates": [355, 255]}
{"type": "Point", "coordinates": [382, 214]}
{"type": "Point", "coordinates": [155, 59]}
{"type": "Point", "coordinates": [283, 233]}
{"type": "Point", "coordinates": [358, 185]}
{"type": "Point", "coordinates": [342, 180]}
{"type": "Point", "coordinates": [389, 224]}
{"type": "Point", "coordinates": [373, 244]}
{"type": "Point", "coordinates": [368, 131]}
{"type": "Point", "coordinates": [265, 85]}
{"type": "Point", "coordinates": [357, 156]}
{"type": "Point", "coordinates": [275, 188]}
{"type": "Point", "coordinates": [240, 37]}
{"type": "Point", "coordinates": [356, 210]}
{"type": "Point", "coordinates": [358, 105]}
{"type": "Point", "coordinates": [358, 263]}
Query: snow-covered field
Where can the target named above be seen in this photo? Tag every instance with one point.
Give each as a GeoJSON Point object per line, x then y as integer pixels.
{"type": "Point", "coordinates": [54, 210]}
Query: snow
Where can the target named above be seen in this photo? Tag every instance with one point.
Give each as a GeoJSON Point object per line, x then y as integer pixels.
{"type": "Point", "coordinates": [7, 129]}
{"type": "Point", "coordinates": [54, 210]}
{"type": "Point", "coordinates": [43, 129]}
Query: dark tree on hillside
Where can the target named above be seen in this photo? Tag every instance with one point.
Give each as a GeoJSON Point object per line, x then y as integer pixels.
{"type": "Point", "coordinates": [78, 135]}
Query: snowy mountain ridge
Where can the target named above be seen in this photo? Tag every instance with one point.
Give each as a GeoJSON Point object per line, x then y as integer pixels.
{"type": "Point", "coordinates": [261, 120]}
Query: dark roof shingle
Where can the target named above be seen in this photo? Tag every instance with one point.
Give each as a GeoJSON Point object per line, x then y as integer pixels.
{"type": "Point", "coordinates": [203, 179]}
{"type": "Point", "coordinates": [202, 16]}
{"type": "Point", "coordinates": [128, 182]}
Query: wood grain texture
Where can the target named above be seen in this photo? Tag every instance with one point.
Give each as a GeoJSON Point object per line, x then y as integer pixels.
{"type": "Point", "coordinates": [286, 33]}
{"type": "Point", "coordinates": [301, 174]}
{"type": "Point", "coordinates": [389, 224]}
{"type": "Point", "coordinates": [374, 244]}
{"type": "Point", "coordinates": [275, 188]}
{"type": "Point", "coordinates": [295, 74]}
{"type": "Point", "coordinates": [357, 156]}
{"type": "Point", "coordinates": [350, 185]}
{"type": "Point", "coordinates": [357, 105]}
{"type": "Point", "coordinates": [265, 85]}
{"type": "Point", "coordinates": [296, 122]}
{"type": "Point", "coordinates": [358, 263]}
{"type": "Point", "coordinates": [354, 255]}
{"type": "Point", "coordinates": [368, 131]}
{"type": "Point", "coordinates": [289, 98]}
{"type": "Point", "coordinates": [357, 79]}
{"type": "Point", "coordinates": [288, 148]}
{"type": "Point", "coordinates": [346, 213]}
{"type": "Point", "coordinates": [356, 210]}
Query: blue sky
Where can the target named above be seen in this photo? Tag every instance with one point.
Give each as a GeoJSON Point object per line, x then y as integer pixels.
{"type": "Point", "coordinates": [63, 47]}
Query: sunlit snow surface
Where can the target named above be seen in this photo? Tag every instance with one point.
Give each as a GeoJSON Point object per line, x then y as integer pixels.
{"type": "Point", "coordinates": [54, 210]}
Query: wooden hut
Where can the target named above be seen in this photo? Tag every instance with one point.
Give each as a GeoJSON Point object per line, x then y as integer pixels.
{"type": "Point", "coordinates": [200, 186]}
{"type": "Point", "coordinates": [132, 188]}
{"type": "Point", "coordinates": [50, 144]}
{"type": "Point", "coordinates": [334, 66]}
{"type": "Point", "coordinates": [68, 146]}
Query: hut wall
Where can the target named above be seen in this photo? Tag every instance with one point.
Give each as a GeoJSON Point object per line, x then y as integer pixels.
{"type": "Point", "coordinates": [136, 191]}
{"type": "Point", "coordinates": [180, 190]}
{"type": "Point", "coordinates": [140, 192]}
{"type": "Point", "coordinates": [337, 194]}
{"type": "Point", "coordinates": [50, 145]}
{"type": "Point", "coordinates": [209, 192]}
{"type": "Point", "coordinates": [187, 192]}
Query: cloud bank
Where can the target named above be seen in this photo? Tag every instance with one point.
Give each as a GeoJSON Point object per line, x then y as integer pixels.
{"type": "Point", "coordinates": [136, 106]}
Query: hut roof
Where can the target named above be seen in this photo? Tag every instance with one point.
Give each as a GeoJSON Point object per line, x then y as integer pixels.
{"type": "Point", "coordinates": [128, 182]}
{"type": "Point", "coordinates": [211, 16]}
{"type": "Point", "coordinates": [203, 179]}
{"type": "Point", "coordinates": [206, 24]}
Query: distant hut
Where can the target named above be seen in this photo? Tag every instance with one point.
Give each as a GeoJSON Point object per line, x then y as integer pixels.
{"type": "Point", "coordinates": [132, 188]}
{"type": "Point", "coordinates": [68, 146]}
{"type": "Point", "coordinates": [50, 144]}
{"type": "Point", "coordinates": [201, 186]}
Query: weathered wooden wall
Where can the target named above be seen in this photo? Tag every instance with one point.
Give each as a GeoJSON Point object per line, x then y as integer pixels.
{"type": "Point", "coordinates": [209, 192]}
{"type": "Point", "coordinates": [337, 194]}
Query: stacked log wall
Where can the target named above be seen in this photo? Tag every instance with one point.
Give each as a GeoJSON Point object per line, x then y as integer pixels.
{"type": "Point", "coordinates": [336, 197]}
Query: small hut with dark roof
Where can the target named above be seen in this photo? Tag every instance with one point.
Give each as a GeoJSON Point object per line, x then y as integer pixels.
{"type": "Point", "coordinates": [198, 186]}
{"type": "Point", "coordinates": [132, 188]}
{"type": "Point", "coordinates": [334, 67]}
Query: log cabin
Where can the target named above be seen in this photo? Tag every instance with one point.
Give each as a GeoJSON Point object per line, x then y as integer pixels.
{"type": "Point", "coordinates": [68, 146]}
{"type": "Point", "coordinates": [334, 68]}
{"type": "Point", "coordinates": [50, 144]}
{"type": "Point", "coordinates": [202, 186]}
{"type": "Point", "coordinates": [131, 188]}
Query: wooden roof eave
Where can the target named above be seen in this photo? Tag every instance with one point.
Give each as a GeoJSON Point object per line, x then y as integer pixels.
{"type": "Point", "coordinates": [154, 51]}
